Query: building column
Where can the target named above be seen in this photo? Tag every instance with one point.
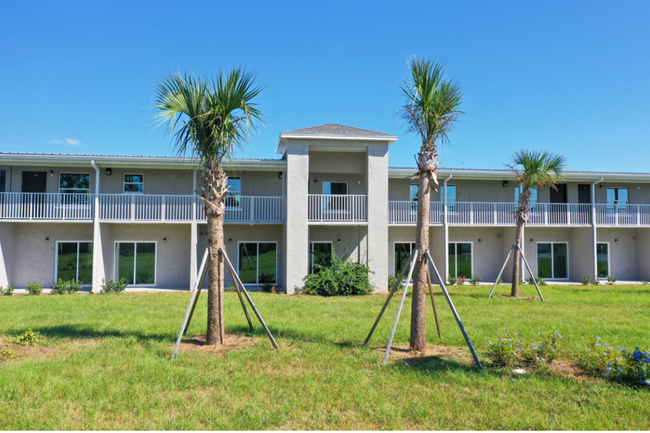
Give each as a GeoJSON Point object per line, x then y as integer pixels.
{"type": "Point", "coordinates": [445, 225]}
{"type": "Point", "coordinates": [594, 235]}
{"type": "Point", "coordinates": [6, 246]}
{"type": "Point", "coordinates": [98, 247]}
{"type": "Point", "coordinates": [377, 214]}
{"type": "Point", "coordinates": [297, 222]}
{"type": "Point", "coordinates": [194, 238]}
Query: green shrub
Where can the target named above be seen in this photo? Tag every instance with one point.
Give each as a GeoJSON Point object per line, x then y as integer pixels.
{"type": "Point", "coordinates": [342, 277]}
{"type": "Point", "coordinates": [508, 351]}
{"type": "Point", "coordinates": [266, 282]}
{"type": "Point", "coordinates": [28, 337]}
{"type": "Point", "coordinates": [61, 287]}
{"type": "Point", "coordinates": [611, 280]}
{"type": "Point", "coordinates": [618, 365]}
{"type": "Point", "coordinates": [505, 352]}
{"type": "Point", "coordinates": [544, 351]}
{"type": "Point", "coordinates": [7, 291]}
{"type": "Point", "coordinates": [8, 353]}
{"type": "Point", "coordinates": [586, 280]}
{"type": "Point", "coordinates": [111, 286]}
{"type": "Point", "coordinates": [34, 288]}
{"type": "Point", "coordinates": [475, 280]}
{"type": "Point", "coordinates": [392, 280]}
{"type": "Point", "coordinates": [596, 358]}
{"type": "Point", "coordinates": [452, 280]}
{"type": "Point", "coordinates": [539, 281]}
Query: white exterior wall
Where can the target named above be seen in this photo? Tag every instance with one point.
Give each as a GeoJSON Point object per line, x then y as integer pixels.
{"type": "Point", "coordinates": [643, 241]}
{"type": "Point", "coordinates": [623, 251]}
{"type": "Point", "coordinates": [378, 214]}
{"type": "Point", "coordinates": [7, 252]}
{"type": "Point", "coordinates": [487, 256]}
{"type": "Point", "coordinates": [297, 228]}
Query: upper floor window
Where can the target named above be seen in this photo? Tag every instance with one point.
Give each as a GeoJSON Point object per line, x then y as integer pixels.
{"type": "Point", "coordinates": [617, 196]}
{"type": "Point", "coordinates": [413, 193]}
{"type": "Point", "coordinates": [74, 183]}
{"type": "Point", "coordinates": [451, 196]}
{"type": "Point", "coordinates": [335, 188]}
{"type": "Point", "coordinates": [134, 183]}
{"type": "Point", "coordinates": [533, 197]}
{"type": "Point", "coordinates": [234, 196]}
{"type": "Point", "coordinates": [3, 180]}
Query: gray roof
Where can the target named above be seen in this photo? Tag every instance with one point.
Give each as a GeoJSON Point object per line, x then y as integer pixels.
{"type": "Point", "coordinates": [337, 130]}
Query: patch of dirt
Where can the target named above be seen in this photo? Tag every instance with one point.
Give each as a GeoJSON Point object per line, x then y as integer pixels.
{"type": "Point", "coordinates": [449, 353]}
{"type": "Point", "coordinates": [231, 342]}
{"type": "Point", "coordinates": [521, 297]}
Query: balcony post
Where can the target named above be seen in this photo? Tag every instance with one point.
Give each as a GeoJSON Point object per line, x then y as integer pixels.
{"type": "Point", "coordinates": [568, 214]}
{"type": "Point", "coordinates": [638, 220]}
{"type": "Point", "coordinates": [163, 208]}
{"type": "Point", "coordinates": [594, 235]}
{"type": "Point", "coordinates": [132, 210]}
{"type": "Point", "coordinates": [494, 210]}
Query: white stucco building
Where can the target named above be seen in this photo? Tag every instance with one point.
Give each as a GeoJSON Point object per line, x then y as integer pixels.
{"type": "Point", "coordinates": [91, 217]}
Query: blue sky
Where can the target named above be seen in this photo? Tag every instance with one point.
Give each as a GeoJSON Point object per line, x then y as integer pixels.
{"type": "Point", "coordinates": [571, 77]}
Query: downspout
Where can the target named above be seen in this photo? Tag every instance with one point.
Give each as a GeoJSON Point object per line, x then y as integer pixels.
{"type": "Point", "coordinates": [98, 259]}
{"type": "Point", "coordinates": [445, 224]}
{"type": "Point", "coordinates": [522, 245]}
{"type": "Point", "coordinates": [594, 238]}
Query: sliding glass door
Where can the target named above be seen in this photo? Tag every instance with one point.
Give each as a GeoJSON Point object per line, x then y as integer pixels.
{"type": "Point", "coordinates": [136, 262]}
{"type": "Point", "coordinates": [460, 259]}
{"type": "Point", "coordinates": [74, 261]}
{"type": "Point", "coordinates": [553, 260]}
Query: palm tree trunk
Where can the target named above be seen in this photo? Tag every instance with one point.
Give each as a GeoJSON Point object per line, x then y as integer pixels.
{"type": "Point", "coordinates": [213, 193]}
{"type": "Point", "coordinates": [418, 339]}
{"type": "Point", "coordinates": [516, 258]}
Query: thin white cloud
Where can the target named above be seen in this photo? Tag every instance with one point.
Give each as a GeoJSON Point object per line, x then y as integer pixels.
{"type": "Point", "coordinates": [70, 141]}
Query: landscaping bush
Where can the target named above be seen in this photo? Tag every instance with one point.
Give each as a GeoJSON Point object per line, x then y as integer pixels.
{"type": "Point", "coordinates": [392, 280]}
{"type": "Point", "coordinates": [8, 354]}
{"type": "Point", "coordinates": [34, 288]}
{"type": "Point", "coordinates": [475, 280]}
{"type": "Point", "coordinates": [507, 351]}
{"type": "Point", "coordinates": [611, 280]}
{"type": "Point", "coordinates": [28, 337]}
{"type": "Point", "coordinates": [586, 280]}
{"type": "Point", "coordinates": [266, 282]}
{"type": "Point", "coordinates": [61, 287]}
{"type": "Point", "coordinates": [539, 281]}
{"type": "Point", "coordinates": [111, 286]}
{"type": "Point", "coordinates": [7, 291]}
{"type": "Point", "coordinates": [544, 351]}
{"type": "Point", "coordinates": [342, 277]}
{"type": "Point", "coordinates": [452, 280]}
{"type": "Point", "coordinates": [618, 365]}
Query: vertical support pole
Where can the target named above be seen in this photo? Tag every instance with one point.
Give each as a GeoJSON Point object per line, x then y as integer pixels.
{"type": "Point", "coordinates": [241, 300]}
{"type": "Point", "coordinates": [531, 275]}
{"type": "Point", "coordinates": [501, 271]}
{"type": "Point", "coordinates": [433, 303]}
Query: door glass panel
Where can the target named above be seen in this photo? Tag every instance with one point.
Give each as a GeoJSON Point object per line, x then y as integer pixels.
{"type": "Point", "coordinates": [321, 254]}
{"type": "Point", "coordinates": [402, 254]}
{"type": "Point", "coordinates": [602, 258]}
{"type": "Point", "coordinates": [67, 261]}
{"type": "Point", "coordinates": [267, 262]}
{"type": "Point", "coordinates": [248, 263]}
{"type": "Point", "coordinates": [560, 261]}
{"type": "Point", "coordinates": [464, 260]}
{"type": "Point", "coordinates": [85, 271]}
{"type": "Point", "coordinates": [145, 267]}
{"type": "Point", "coordinates": [544, 265]}
{"type": "Point", "coordinates": [126, 261]}
{"type": "Point", "coordinates": [452, 259]}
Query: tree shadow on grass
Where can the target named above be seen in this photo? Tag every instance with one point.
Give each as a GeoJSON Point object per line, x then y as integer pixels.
{"type": "Point", "coordinates": [88, 332]}
{"type": "Point", "coordinates": [292, 334]}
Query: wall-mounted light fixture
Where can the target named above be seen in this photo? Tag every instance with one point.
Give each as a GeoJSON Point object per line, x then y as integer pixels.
{"type": "Point", "coordinates": [164, 239]}
{"type": "Point", "coordinates": [479, 241]}
{"type": "Point", "coordinates": [600, 186]}
{"type": "Point", "coordinates": [315, 180]}
{"type": "Point", "coordinates": [230, 240]}
{"type": "Point", "coordinates": [505, 184]}
{"type": "Point", "coordinates": [615, 240]}
{"type": "Point", "coordinates": [280, 175]}
{"type": "Point", "coordinates": [51, 173]}
{"type": "Point", "coordinates": [109, 171]}
{"type": "Point", "coordinates": [47, 240]}
{"type": "Point", "coordinates": [531, 239]}
{"type": "Point", "coordinates": [339, 241]}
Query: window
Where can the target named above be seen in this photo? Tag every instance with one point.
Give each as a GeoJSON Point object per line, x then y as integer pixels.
{"type": "Point", "coordinates": [3, 180]}
{"type": "Point", "coordinates": [402, 252]}
{"type": "Point", "coordinates": [335, 188]}
{"type": "Point", "coordinates": [136, 262]}
{"type": "Point", "coordinates": [533, 198]}
{"type": "Point", "coordinates": [602, 259]}
{"type": "Point", "coordinates": [74, 261]}
{"type": "Point", "coordinates": [233, 199]}
{"type": "Point", "coordinates": [134, 183]}
{"type": "Point", "coordinates": [617, 199]}
{"type": "Point", "coordinates": [553, 260]}
{"type": "Point", "coordinates": [460, 259]}
{"type": "Point", "coordinates": [320, 253]}
{"type": "Point", "coordinates": [74, 183]}
{"type": "Point", "coordinates": [257, 262]}
{"type": "Point", "coordinates": [413, 197]}
{"type": "Point", "coordinates": [451, 197]}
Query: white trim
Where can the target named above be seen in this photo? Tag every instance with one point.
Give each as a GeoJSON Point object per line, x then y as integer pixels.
{"type": "Point", "coordinates": [56, 259]}
{"type": "Point", "coordinates": [552, 278]}
{"type": "Point", "coordinates": [257, 277]}
{"type": "Point", "coordinates": [135, 255]}
{"type": "Point", "coordinates": [124, 182]}
{"type": "Point", "coordinates": [609, 260]}
{"type": "Point", "coordinates": [471, 253]}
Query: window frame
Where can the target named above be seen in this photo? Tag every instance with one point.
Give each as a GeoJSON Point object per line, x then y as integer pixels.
{"type": "Point", "coordinates": [451, 205]}
{"type": "Point", "coordinates": [471, 246]}
{"type": "Point", "coordinates": [257, 279]}
{"type": "Point", "coordinates": [233, 196]}
{"type": "Point", "coordinates": [311, 252]}
{"type": "Point", "coordinates": [124, 183]}
{"type": "Point", "coordinates": [56, 259]}
{"type": "Point", "coordinates": [568, 262]}
{"type": "Point", "coordinates": [116, 271]}
{"type": "Point", "coordinates": [75, 190]}
{"type": "Point", "coordinates": [413, 199]}
{"type": "Point", "coordinates": [617, 205]}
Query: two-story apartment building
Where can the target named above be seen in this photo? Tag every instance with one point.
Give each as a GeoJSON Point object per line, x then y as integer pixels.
{"type": "Point", "coordinates": [94, 217]}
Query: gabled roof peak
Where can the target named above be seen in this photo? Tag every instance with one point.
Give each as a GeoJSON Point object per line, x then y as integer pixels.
{"type": "Point", "coordinates": [334, 129]}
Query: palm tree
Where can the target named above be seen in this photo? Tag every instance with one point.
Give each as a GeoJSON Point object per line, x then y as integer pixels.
{"type": "Point", "coordinates": [431, 108]}
{"type": "Point", "coordinates": [208, 118]}
{"type": "Point", "coordinates": [534, 169]}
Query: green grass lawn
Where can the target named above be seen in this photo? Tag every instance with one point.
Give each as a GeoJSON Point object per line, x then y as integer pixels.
{"type": "Point", "coordinates": [104, 364]}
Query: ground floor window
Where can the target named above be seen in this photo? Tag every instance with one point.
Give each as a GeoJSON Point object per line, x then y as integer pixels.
{"type": "Point", "coordinates": [136, 262]}
{"type": "Point", "coordinates": [402, 252]}
{"type": "Point", "coordinates": [553, 260]}
{"type": "Point", "coordinates": [257, 262]}
{"type": "Point", "coordinates": [74, 261]}
{"type": "Point", "coordinates": [460, 259]}
{"type": "Point", "coordinates": [602, 259]}
{"type": "Point", "coordinates": [320, 253]}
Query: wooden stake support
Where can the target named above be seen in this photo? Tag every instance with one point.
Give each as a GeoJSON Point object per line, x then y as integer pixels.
{"type": "Point", "coordinates": [527, 267]}
{"type": "Point", "coordinates": [196, 291]}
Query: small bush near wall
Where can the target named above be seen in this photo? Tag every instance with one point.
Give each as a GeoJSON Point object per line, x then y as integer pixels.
{"type": "Point", "coordinates": [620, 365]}
{"type": "Point", "coordinates": [34, 288]}
{"type": "Point", "coordinates": [342, 278]}
{"type": "Point", "coordinates": [7, 291]}
{"type": "Point", "coordinates": [111, 286]}
{"type": "Point", "coordinates": [61, 287]}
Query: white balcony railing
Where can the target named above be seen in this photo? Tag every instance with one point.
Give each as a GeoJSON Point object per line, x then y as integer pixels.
{"type": "Point", "coordinates": [478, 213]}
{"type": "Point", "coordinates": [44, 206]}
{"type": "Point", "coordinates": [244, 209]}
{"type": "Point", "coordinates": [622, 214]}
{"type": "Point", "coordinates": [337, 208]}
{"type": "Point", "coordinates": [145, 207]}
